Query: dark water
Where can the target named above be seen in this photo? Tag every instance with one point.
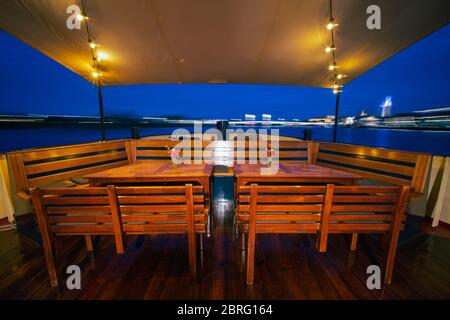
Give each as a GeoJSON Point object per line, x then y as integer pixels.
{"type": "Point", "coordinates": [420, 141]}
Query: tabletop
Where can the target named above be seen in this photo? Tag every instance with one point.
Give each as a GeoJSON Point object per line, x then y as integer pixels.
{"type": "Point", "coordinates": [292, 170]}
{"type": "Point", "coordinates": [154, 169]}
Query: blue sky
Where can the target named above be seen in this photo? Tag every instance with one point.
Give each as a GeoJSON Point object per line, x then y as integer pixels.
{"type": "Point", "coordinates": [416, 78]}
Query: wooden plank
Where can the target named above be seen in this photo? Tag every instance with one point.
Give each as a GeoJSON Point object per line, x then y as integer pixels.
{"type": "Point", "coordinates": [156, 143]}
{"type": "Point", "coordinates": [370, 152]}
{"type": "Point", "coordinates": [371, 164]}
{"type": "Point", "coordinates": [18, 171]}
{"type": "Point", "coordinates": [116, 220]}
{"type": "Point", "coordinates": [80, 219]}
{"type": "Point", "coordinates": [287, 228]}
{"type": "Point", "coordinates": [79, 209]}
{"type": "Point", "coordinates": [357, 227]}
{"type": "Point", "coordinates": [74, 162]}
{"type": "Point", "coordinates": [160, 217]}
{"type": "Point", "coordinates": [284, 189]}
{"type": "Point", "coordinates": [292, 154]}
{"type": "Point", "coordinates": [368, 175]}
{"type": "Point", "coordinates": [156, 190]}
{"type": "Point", "coordinates": [157, 199]}
{"type": "Point", "coordinates": [39, 154]}
{"type": "Point", "coordinates": [156, 208]}
{"type": "Point", "coordinates": [362, 208]}
{"type": "Point", "coordinates": [366, 190]}
{"type": "Point", "coordinates": [252, 234]}
{"type": "Point", "coordinates": [283, 198]}
{"type": "Point", "coordinates": [282, 217]}
{"type": "Point", "coordinates": [363, 199]}
{"type": "Point", "coordinates": [322, 241]}
{"type": "Point", "coordinates": [76, 200]}
{"type": "Point", "coordinates": [70, 174]}
{"type": "Point", "coordinates": [83, 229]}
{"type": "Point", "coordinates": [283, 208]}
{"type": "Point", "coordinates": [75, 191]}
{"type": "Point", "coordinates": [360, 217]}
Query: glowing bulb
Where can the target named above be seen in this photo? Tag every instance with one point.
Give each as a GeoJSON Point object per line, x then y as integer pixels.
{"type": "Point", "coordinates": [336, 91]}
{"type": "Point", "coordinates": [80, 17]}
{"type": "Point", "coordinates": [96, 74]}
{"type": "Point", "coordinates": [340, 76]}
{"type": "Point", "coordinates": [93, 45]}
{"type": "Point", "coordinates": [337, 86]}
{"type": "Point", "coordinates": [329, 49]}
{"type": "Point", "coordinates": [331, 24]}
{"type": "Point", "coordinates": [333, 66]}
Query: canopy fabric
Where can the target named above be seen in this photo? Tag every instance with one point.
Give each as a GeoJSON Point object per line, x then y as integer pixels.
{"type": "Point", "coordinates": [222, 41]}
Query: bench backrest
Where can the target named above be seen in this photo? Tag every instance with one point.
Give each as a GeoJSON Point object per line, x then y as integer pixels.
{"type": "Point", "coordinates": [77, 211]}
{"type": "Point", "coordinates": [32, 168]}
{"type": "Point", "coordinates": [220, 150]}
{"type": "Point", "coordinates": [356, 209]}
{"type": "Point", "coordinates": [397, 167]}
{"type": "Point", "coordinates": [162, 209]}
{"type": "Point", "coordinates": [281, 209]}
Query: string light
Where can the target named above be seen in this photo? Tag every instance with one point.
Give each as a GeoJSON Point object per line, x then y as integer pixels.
{"type": "Point", "coordinates": [82, 17]}
{"type": "Point", "coordinates": [331, 24]}
{"type": "Point", "coordinates": [329, 49]}
{"type": "Point", "coordinates": [333, 66]}
{"type": "Point", "coordinates": [92, 44]}
{"type": "Point", "coordinates": [96, 74]}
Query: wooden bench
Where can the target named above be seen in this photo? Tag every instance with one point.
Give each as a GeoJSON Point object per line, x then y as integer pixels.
{"type": "Point", "coordinates": [356, 209]}
{"type": "Point", "coordinates": [46, 166]}
{"type": "Point", "coordinates": [164, 210]}
{"type": "Point", "coordinates": [75, 212]}
{"type": "Point", "coordinates": [277, 209]}
{"type": "Point", "coordinates": [389, 166]}
{"type": "Point", "coordinates": [119, 211]}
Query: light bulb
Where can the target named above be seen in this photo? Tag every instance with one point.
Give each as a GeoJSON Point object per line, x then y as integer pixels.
{"type": "Point", "coordinates": [333, 66]}
{"type": "Point", "coordinates": [340, 76]}
{"type": "Point", "coordinates": [80, 17]}
{"type": "Point", "coordinates": [93, 45]}
{"type": "Point", "coordinates": [329, 49]}
{"type": "Point", "coordinates": [96, 74]}
{"type": "Point", "coordinates": [331, 24]}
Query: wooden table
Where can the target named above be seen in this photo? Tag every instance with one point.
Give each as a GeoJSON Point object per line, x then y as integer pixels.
{"type": "Point", "coordinates": [154, 171]}
{"type": "Point", "coordinates": [292, 171]}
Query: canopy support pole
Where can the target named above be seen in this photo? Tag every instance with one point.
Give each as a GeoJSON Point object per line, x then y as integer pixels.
{"type": "Point", "coordinates": [102, 115]}
{"type": "Point", "coordinates": [336, 116]}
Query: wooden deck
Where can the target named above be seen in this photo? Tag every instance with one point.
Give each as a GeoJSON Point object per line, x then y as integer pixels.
{"type": "Point", "coordinates": [287, 267]}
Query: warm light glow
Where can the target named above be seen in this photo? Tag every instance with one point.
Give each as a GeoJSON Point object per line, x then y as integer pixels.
{"type": "Point", "coordinates": [337, 86]}
{"type": "Point", "coordinates": [101, 56]}
{"type": "Point", "coordinates": [329, 49]}
{"type": "Point", "coordinates": [336, 91]}
{"type": "Point", "coordinates": [93, 45]}
{"type": "Point", "coordinates": [96, 74]}
{"type": "Point", "coordinates": [81, 17]}
{"type": "Point", "coordinates": [340, 76]}
{"type": "Point", "coordinates": [331, 24]}
{"type": "Point", "coordinates": [333, 66]}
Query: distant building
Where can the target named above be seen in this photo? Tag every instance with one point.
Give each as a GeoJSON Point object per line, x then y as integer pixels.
{"type": "Point", "coordinates": [386, 107]}
{"type": "Point", "coordinates": [266, 117]}
{"type": "Point", "coordinates": [250, 117]}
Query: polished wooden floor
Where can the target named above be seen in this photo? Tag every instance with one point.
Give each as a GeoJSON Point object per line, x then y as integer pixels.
{"type": "Point", "coordinates": [287, 267]}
